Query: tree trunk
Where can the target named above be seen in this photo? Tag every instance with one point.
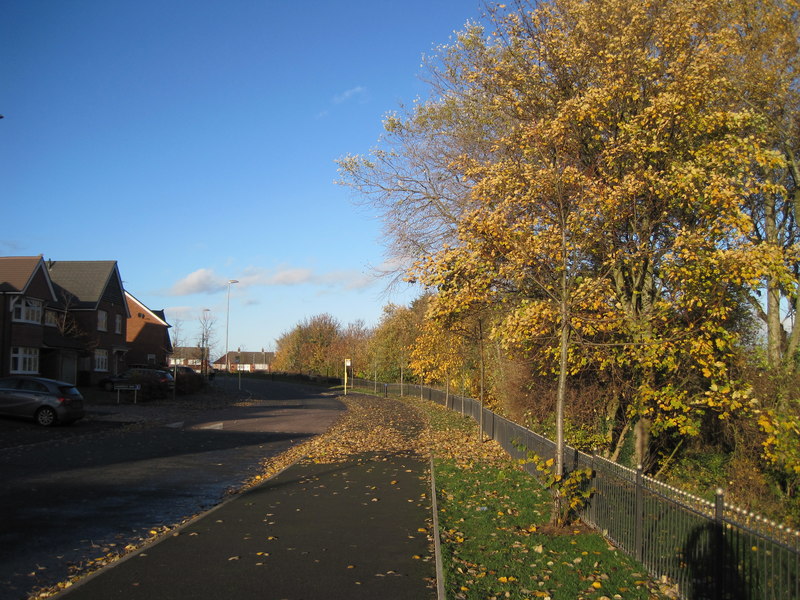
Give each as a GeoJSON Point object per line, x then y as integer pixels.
{"type": "Point", "coordinates": [774, 327]}
{"type": "Point", "coordinates": [561, 398]}
{"type": "Point", "coordinates": [563, 366]}
{"type": "Point", "coordinates": [620, 442]}
{"type": "Point", "coordinates": [611, 420]}
{"type": "Point", "coordinates": [483, 370]}
{"type": "Point", "coordinates": [793, 342]}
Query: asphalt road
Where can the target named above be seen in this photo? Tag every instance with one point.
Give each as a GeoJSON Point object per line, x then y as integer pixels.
{"type": "Point", "coordinates": [76, 493]}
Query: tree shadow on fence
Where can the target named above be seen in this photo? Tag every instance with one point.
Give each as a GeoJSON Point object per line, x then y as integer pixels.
{"type": "Point", "coordinates": [713, 566]}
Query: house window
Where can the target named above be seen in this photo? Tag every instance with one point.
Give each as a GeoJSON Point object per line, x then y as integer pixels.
{"type": "Point", "coordinates": [28, 311]}
{"type": "Point", "coordinates": [24, 360]}
{"type": "Point", "coordinates": [118, 324]}
{"type": "Point", "coordinates": [51, 318]}
{"type": "Point", "coordinates": [101, 360]}
{"type": "Point", "coordinates": [102, 320]}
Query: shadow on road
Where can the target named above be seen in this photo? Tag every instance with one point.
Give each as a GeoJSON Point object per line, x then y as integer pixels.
{"type": "Point", "coordinates": [69, 499]}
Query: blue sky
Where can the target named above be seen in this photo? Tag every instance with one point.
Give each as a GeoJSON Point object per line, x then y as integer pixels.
{"type": "Point", "coordinates": [193, 141]}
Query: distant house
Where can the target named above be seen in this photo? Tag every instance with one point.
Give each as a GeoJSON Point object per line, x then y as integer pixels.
{"type": "Point", "coordinates": [37, 336]}
{"type": "Point", "coordinates": [91, 293]}
{"type": "Point", "coordinates": [147, 335]}
{"type": "Point", "coordinates": [189, 356]}
{"type": "Point", "coordinates": [245, 361]}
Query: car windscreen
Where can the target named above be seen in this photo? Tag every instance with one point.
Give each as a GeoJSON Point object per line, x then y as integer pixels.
{"type": "Point", "coordinates": [69, 390]}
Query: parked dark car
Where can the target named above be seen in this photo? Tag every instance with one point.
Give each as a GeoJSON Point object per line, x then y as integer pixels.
{"type": "Point", "coordinates": [46, 401]}
{"type": "Point", "coordinates": [141, 376]}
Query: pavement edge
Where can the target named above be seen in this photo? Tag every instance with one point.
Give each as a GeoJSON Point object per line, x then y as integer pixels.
{"type": "Point", "coordinates": [437, 545]}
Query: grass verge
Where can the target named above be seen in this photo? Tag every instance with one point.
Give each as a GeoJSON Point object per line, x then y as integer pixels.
{"type": "Point", "coordinates": [495, 539]}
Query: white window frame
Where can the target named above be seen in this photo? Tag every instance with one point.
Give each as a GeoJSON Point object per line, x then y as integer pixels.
{"type": "Point", "coordinates": [28, 310]}
{"type": "Point", "coordinates": [24, 361]}
{"type": "Point", "coordinates": [102, 320]}
{"type": "Point", "coordinates": [101, 360]}
{"type": "Point", "coordinates": [118, 324]}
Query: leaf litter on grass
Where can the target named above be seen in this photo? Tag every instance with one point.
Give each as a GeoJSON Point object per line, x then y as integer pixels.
{"type": "Point", "coordinates": [496, 539]}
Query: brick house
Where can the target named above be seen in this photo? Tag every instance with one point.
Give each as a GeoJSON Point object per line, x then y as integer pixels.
{"type": "Point", "coordinates": [70, 320]}
{"type": "Point", "coordinates": [147, 335]}
{"type": "Point", "coordinates": [91, 293]}
{"type": "Point", "coordinates": [245, 361]}
{"type": "Point", "coordinates": [36, 336]}
{"type": "Point", "coordinates": [190, 356]}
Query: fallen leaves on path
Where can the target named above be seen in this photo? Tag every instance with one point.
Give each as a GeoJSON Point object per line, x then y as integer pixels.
{"type": "Point", "coordinates": [371, 426]}
{"type": "Point", "coordinates": [382, 426]}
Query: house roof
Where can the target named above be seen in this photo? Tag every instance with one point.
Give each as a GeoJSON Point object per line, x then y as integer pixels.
{"type": "Point", "coordinates": [84, 280]}
{"type": "Point", "coordinates": [246, 357]}
{"type": "Point", "coordinates": [158, 315]}
{"type": "Point", "coordinates": [188, 352]}
{"type": "Point", "coordinates": [17, 272]}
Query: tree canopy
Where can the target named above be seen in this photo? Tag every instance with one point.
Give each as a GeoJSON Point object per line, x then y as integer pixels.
{"type": "Point", "coordinates": [615, 183]}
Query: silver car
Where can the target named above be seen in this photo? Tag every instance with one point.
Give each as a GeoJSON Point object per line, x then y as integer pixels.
{"type": "Point", "coordinates": [46, 401]}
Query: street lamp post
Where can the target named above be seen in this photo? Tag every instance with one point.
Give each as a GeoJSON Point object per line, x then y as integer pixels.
{"type": "Point", "coordinates": [204, 350]}
{"type": "Point", "coordinates": [227, 322]}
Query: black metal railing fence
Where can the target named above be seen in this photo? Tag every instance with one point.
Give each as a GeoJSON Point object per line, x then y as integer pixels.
{"type": "Point", "coordinates": [709, 550]}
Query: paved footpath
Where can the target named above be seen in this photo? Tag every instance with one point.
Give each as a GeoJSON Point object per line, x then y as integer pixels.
{"type": "Point", "coordinates": [346, 530]}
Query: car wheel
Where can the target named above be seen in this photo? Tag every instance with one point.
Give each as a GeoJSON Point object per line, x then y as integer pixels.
{"type": "Point", "coordinates": [46, 416]}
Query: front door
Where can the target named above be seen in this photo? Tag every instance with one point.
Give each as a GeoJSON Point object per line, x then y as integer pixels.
{"type": "Point", "coordinates": [69, 367]}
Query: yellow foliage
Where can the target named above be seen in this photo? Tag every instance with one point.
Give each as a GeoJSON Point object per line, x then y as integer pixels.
{"type": "Point", "coordinates": [613, 183]}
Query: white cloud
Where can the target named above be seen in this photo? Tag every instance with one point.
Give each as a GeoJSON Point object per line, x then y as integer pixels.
{"type": "Point", "coordinates": [349, 280]}
{"type": "Point", "coordinates": [395, 264]}
{"type": "Point", "coordinates": [356, 92]}
{"type": "Point", "coordinates": [290, 277]}
{"type": "Point", "coordinates": [202, 281]}
{"type": "Point", "coordinates": [205, 281]}
{"type": "Point", "coordinates": [180, 313]}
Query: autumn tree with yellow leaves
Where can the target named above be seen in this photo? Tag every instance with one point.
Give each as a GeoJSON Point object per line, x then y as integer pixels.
{"type": "Point", "coordinates": [308, 347]}
{"type": "Point", "coordinates": [392, 341]}
{"type": "Point", "coordinates": [625, 176]}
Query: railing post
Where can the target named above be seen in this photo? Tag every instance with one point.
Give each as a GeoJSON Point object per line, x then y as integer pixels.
{"type": "Point", "coordinates": [638, 537]}
{"type": "Point", "coordinates": [720, 568]}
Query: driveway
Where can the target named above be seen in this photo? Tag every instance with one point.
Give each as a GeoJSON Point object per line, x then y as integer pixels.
{"type": "Point", "coordinates": [74, 494]}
